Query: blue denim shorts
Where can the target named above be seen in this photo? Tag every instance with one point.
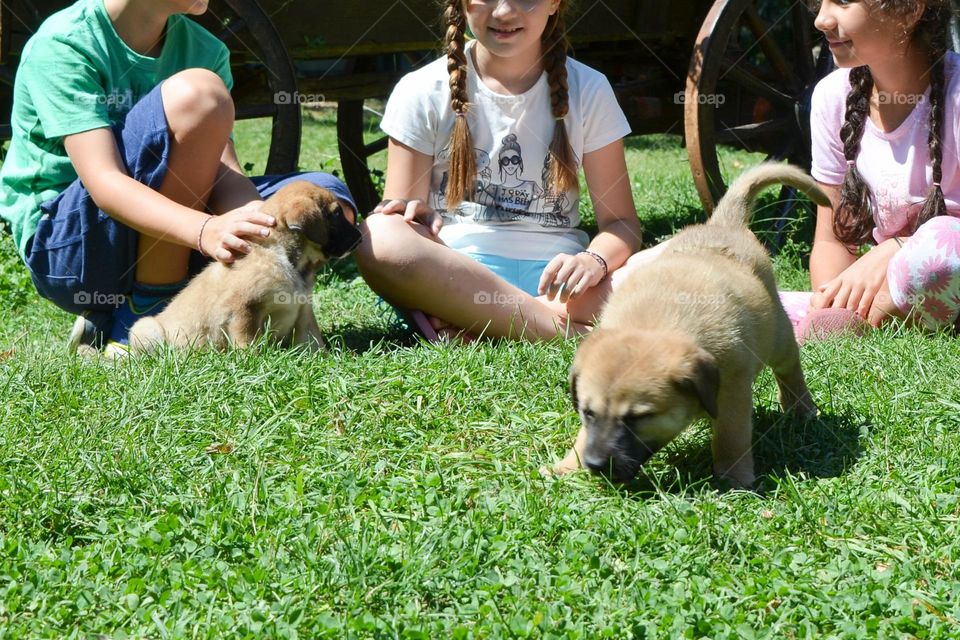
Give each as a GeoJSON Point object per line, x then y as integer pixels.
{"type": "Point", "coordinates": [80, 258]}
{"type": "Point", "coordinates": [523, 274]}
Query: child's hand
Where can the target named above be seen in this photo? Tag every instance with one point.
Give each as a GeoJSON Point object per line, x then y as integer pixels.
{"type": "Point", "coordinates": [857, 287]}
{"type": "Point", "coordinates": [568, 276]}
{"type": "Point", "coordinates": [413, 211]}
{"type": "Point", "coordinates": [223, 236]}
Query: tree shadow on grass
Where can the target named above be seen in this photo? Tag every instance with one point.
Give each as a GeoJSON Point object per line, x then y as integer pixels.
{"type": "Point", "coordinates": [783, 444]}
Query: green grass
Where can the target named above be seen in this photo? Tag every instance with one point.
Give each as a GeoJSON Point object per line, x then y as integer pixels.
{"type": "Point", "coordinates": [390, 489]}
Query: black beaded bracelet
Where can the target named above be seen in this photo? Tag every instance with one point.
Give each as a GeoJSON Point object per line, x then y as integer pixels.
{"type": "Point", "coordinates": [599, 259]}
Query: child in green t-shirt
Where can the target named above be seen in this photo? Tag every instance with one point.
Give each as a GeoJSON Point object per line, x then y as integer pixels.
{"type": "Point", "coordinates": [121, 165]}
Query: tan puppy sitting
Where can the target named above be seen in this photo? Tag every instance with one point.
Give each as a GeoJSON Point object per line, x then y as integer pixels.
{"type": "Point", "coordinates": [686, 335]}
{"type": "Point", "coordinates": [270, 287]}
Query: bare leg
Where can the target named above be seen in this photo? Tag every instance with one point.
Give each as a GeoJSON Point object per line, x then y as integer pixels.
{"type": "Point", "coordinates": [200, 115]}
{"type": "Point", "coordinates": [407, 268]}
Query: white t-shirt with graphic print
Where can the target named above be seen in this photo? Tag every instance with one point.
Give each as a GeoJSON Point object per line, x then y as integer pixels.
{"type": "Point", "coordinates": [512, 213]}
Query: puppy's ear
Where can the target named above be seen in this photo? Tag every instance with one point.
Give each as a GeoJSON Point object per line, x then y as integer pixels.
{"type": "Point", "coordinates": [702, 379]}
{"type": "Point", "coordinates": [310, 220]}
{"type": "Point", "coordinates": [573, 389]}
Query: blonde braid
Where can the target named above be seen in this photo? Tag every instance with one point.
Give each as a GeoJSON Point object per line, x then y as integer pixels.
{"type": "Point", "coordinates": [463, 163]}
{"type": "Point", "coordinates": [563, 166]}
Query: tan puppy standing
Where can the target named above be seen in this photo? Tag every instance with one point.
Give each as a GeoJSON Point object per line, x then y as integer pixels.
{"type": "Point", "coordinates": [686, 335]}
{"type": "Point", "coordinates": [269, 288]}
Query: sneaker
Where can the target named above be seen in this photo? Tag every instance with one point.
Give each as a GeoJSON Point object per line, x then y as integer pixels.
{"type": "Point", "coordinates": [89, 331]}
{"type": "Point", "coordinates": [116, 350]}
{"type": "Point", "coordinates": [126, 316]}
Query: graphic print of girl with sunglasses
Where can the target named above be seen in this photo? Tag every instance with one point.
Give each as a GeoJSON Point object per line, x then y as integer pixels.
{"type": "Point", "coordinates": [512, 197]}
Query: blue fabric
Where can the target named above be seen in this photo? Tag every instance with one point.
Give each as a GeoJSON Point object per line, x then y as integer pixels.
{"type": "Point", "coordinates": [82, 259]}
{"type": "Point", "coordinates": [523, 274]}
{"type": "Point", "coordinates": [269, 185]}
{"type": "Point", "coordinates": [145, 300]}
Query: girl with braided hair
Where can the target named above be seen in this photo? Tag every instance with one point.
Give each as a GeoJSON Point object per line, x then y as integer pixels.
{"type": "Point", "coordinates": [483, 251]}
{"type": "Point", "coordinates": [886, 143]}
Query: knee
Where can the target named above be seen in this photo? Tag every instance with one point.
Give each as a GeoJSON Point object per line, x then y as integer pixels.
{"type": "Point", "coordinates": [387, 245]}
{"type": "Point", "coordinates": [197, 98]}
{"type": "Point", "coordinates": [934, 248]}
{"type": "Point", "coordinates": [939, 227]}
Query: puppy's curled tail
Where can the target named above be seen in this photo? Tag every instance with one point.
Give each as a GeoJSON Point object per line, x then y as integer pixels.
{"type": "Point", "coordinates": [736, 206]}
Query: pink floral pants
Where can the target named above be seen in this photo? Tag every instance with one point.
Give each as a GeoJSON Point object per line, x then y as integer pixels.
{"type": "Point", "coordinates": [923, 277]}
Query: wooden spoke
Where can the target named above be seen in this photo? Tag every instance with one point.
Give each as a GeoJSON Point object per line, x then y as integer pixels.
{"type": "Point", "coordinates": [741, 134]}
{"type": "Point", "coordinates": [763, 34]}
{"type": "Point", "coordinates": [742, 75]}
{"type": "Point", "coordinates": [803, 44]}
{"type": "Point", "coordinates": [249, 30]}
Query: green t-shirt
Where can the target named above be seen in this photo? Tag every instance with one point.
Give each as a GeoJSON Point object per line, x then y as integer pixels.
{"type": "Point", "coordinates": [76, 74]}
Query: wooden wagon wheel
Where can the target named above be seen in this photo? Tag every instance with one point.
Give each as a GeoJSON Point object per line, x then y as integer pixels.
{"type": "Point", "coordinates": [356, 121]}
{"type": "Point", "coordinates": [353, 122]}
{"type": "Point", "coordinates": [265, 82]}
{"type": "Point", "coordinates": [753, 70]}
{"type": "Point", "coordinates": [355, 153]}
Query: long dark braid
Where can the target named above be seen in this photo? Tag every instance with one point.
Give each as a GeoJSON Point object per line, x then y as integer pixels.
{"type": "Point", "coordinates": [853, 221]}
{"type": "Point", "coordinates": [934, 24]}
{"type": "Point", "coordinates": [463, 162]}
{"type": "Point", "coordinates": [562, 174]}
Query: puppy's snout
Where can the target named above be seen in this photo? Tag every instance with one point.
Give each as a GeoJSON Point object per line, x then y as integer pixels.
{"type": "Point", "coordinates": [619, 456]}
{"type": "Point", "coordinates": [345, 238]}
{"type": "Point", "coordinates": [599, 464]}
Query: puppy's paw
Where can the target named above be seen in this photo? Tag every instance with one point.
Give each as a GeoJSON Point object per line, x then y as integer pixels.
{"type": "Point", "coordinates": [736, 478]}
{"type": "Point", "coordinates": [805, 408]}
{"type": "Point", "coordinates": [799, 404]}
{"type": "Point", "coordinates": [566, 466]}
{"type": "Point", "coordinates": [556, 471]}
{"type": "Point", "coordinates": [315, 344]}
{"type": "Point", "coordinates": [146, 335]}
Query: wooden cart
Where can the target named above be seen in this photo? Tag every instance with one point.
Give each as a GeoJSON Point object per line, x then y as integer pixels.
{"type": "Point", "coordinates": [735, 72]}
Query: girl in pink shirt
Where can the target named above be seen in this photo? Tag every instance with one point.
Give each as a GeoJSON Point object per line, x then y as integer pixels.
{"type": "Point", "coordinates": [885, 130]}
